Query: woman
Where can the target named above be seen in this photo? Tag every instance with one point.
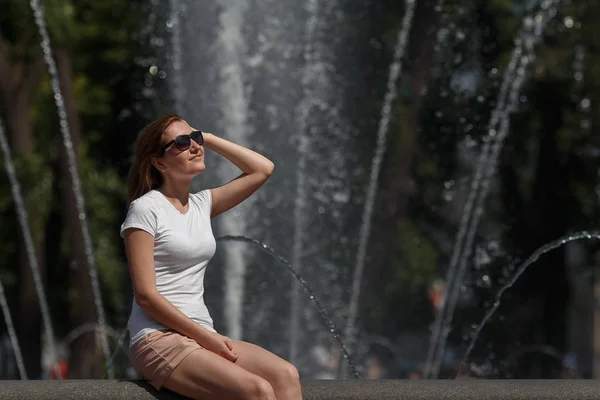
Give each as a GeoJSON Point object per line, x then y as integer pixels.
{"type": "Point", "coordinates": [169, 242]}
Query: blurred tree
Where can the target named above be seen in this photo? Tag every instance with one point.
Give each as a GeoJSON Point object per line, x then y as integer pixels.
{"type": "Point", "coordinates": [92, 91]}
{"type": "Point", "coordinates": [99, 72]}
{"type": "Point", "coordinates": [21, 70]}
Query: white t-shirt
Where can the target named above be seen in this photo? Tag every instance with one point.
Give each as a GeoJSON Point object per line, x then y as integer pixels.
{"type": "Point", "coordinates": [183, 246]}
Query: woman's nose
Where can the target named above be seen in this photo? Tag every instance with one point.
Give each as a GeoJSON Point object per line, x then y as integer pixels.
{"type": "Point", "coordinates": [195, 146]}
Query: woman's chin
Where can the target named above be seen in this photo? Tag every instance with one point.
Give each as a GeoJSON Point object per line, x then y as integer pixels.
{"type": "Point", "coordinates": [199, 167]}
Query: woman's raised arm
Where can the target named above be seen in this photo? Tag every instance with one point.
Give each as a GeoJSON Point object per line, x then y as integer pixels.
{"type": "Point", "coordinates": [255, 167]}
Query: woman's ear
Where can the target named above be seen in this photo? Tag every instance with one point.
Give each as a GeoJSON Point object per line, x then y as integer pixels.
{"type": "Point", "coordinates": [158, 164]}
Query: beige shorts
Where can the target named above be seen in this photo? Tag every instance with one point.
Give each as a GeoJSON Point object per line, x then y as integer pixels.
{"type": "Point", "coordinates": [155, 356]}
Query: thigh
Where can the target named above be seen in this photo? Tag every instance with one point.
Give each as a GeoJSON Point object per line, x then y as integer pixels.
{"type": "Point", "coordinates": [260, 361]}
{"type": "Point", "coordinates": [206, 375]}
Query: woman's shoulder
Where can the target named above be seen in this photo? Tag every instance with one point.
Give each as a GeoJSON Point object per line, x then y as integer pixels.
{"type": "Point", "coordinates": [142, 214]}
{"type": "Point", "coordinates": [202, 195]}
{"type": "Point", "coordinates": [203, 198]}
{"type": "Point", "coordinates": [146, 202]}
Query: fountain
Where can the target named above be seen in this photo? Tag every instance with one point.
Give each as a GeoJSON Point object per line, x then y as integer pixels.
{"type": "Point", "coordinates": [505, 106]}
{"type": "Point", "coordinates": [310, 70]}
{"type": "Point", "coordinates": [323, 314]}
{"type": "Point", "coordinates": [522, 268]}
{"type": "Point", "coordinates": [237, 54]}
{"type": "Point", "coordinates": [244, 112]}
{"type": "Point", "coordinates": [23, 220]}
{"type": "Point", "coordinates": [176, 11]}
{"type": "Point", "coordinates": [230, 97]}
{"type": "Point", "coordinates": [222, 87]}
{"type": "Point", "coordinates": [390, 96]}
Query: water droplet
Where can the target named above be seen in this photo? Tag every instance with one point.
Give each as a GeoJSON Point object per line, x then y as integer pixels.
{"type": "Point", "coordinates": [568, 21]}
{"type": "Point", "coordinates": [586, 124]}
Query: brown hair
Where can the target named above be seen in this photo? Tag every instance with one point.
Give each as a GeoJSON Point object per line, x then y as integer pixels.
{"type": "Point", "coordinates": [143, 176]}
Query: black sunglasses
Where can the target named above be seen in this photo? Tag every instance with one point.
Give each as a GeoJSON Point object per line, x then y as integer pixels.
{"type": "Point", "coordinates": [183, 142]}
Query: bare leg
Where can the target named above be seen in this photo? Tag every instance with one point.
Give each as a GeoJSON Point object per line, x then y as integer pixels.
{"type": "Point", "coordinates": [282, 375]}
{"type": "Point", "coordinates": [205, 375]}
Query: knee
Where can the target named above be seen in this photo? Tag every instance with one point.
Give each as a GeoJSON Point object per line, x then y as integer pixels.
{"type": "Point", "coordinates": [256, 388]}
{"type": "Point", "coordinates": [288, 375]}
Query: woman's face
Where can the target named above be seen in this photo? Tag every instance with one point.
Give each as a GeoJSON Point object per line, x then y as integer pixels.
{"type": "Point", "coordinates": [180, 163]}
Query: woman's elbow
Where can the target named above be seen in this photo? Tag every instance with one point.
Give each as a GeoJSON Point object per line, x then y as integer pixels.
{"type": "Point", "coordinates": [144, 299]}
{"type": "Point", "coordinates": [269, 168]}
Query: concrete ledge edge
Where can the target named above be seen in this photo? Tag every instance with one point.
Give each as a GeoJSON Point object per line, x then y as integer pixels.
{"type": "Point", "coordinates": [320, 389]}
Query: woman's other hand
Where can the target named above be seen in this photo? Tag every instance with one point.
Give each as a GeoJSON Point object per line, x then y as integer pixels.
{"type": "Point", "coordinates": [220, 345]}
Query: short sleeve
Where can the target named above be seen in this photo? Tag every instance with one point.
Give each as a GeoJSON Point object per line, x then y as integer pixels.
{"type": "Point", "coordinates": [140, 215]}
{"type": "Point", "coordinates": [205, 201]}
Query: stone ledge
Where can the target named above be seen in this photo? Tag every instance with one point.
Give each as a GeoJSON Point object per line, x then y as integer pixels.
{"type": "Point", "coordinates": [318, 390]}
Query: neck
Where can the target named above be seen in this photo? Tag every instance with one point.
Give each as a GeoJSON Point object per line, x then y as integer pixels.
{"type": "Point", "coordinates": [176, 189]}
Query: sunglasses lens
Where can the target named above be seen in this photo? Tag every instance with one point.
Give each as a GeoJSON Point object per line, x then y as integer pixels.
{"type": "Point", "coordinates": [182, 142]}
{"type": "Point", "coordinates": [197, 137]}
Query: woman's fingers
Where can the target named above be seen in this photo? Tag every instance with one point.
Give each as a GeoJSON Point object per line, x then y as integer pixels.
{"type": "Point", "coordinates": [231, 351]}
{"type": "Point", "coordinates": [229, 354]}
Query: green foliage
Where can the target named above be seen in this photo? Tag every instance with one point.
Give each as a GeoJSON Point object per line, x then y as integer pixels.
{"type": "Point", "coordinates": [102, 39]}
{"type": "Point", "coordinates": [32, 175]}
{"type": "Point", "coordinates": [104, 190]}
{"type": "Point", "coordinates": [415, 261]}
{"type": "Point", "coordinates": [59, 17]}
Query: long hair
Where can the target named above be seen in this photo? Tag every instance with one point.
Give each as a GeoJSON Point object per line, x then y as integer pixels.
{"type": "Point", "coordinates": [143, 175]}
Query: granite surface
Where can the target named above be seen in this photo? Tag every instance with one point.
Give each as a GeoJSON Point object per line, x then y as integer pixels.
{"type": "Point", "coordinates": [318, 390]}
